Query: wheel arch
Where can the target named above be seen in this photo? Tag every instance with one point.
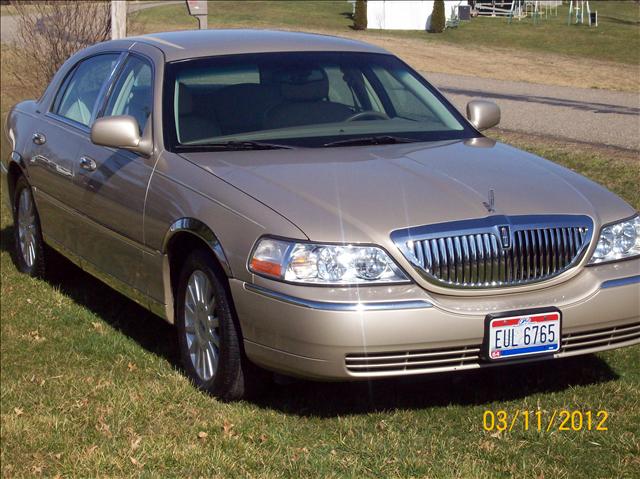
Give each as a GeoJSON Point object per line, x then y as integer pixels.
{"type": "Point", "coordinates": [183, 236]}
{"type": "Point", "coordinates": [15, 170]}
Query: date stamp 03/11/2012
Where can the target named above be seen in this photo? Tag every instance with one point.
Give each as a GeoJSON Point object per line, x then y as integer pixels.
{"type": "Point", "coordinates": [545, 421]}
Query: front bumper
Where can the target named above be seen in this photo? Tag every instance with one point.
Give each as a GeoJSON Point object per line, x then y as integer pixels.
{"type": "Point", "coordinates": [396, 331]}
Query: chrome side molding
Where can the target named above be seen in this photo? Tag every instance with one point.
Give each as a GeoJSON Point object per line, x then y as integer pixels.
{"type": "Point", "coordinates": [613, 283]}
{"type": "Point", "coordinates": [52, 165]}
{"type": "Point", "coordinates": [332, 306]}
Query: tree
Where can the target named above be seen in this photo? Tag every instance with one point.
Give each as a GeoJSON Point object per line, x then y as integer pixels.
{"type": "Point", "coordinates": [437, 17]}
{"type": "Point", "coordinates": [360, 15]}
{"type": "Point", "coordinates": [50, 31]}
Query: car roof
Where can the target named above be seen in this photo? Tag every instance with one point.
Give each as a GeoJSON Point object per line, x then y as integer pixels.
{"type": "Point", "coordinates": [185, 44]}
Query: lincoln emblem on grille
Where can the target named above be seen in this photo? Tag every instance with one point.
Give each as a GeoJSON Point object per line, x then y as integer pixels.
{"type": "Point", "coordinates": [505, 237]}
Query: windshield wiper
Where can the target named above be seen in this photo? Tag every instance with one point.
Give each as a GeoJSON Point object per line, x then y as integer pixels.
{"type": "Point", "coordinates": [239, 145]}
{"type": "Point", "coordinates": [372, 140]}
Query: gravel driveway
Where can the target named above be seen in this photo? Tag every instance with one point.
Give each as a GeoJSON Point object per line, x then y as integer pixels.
{"type": "Point", "coordinates": [588, 115]}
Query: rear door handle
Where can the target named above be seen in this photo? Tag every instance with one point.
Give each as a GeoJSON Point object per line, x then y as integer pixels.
{"type": "Point", "coordinates": [87, 163]}
{"type": "Point", "coordinates": [39, 138]}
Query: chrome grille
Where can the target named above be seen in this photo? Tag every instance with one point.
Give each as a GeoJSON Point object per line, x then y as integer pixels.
{"type": "Point", "coordinates": [431, 359]}
{"type": "Point", "coordinates": [600, 338]}
{"type": "Point", "coordinates": [497, 251]}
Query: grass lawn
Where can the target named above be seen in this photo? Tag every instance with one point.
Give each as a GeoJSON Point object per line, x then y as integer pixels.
{"type": "Point", "coordinates": [617, 37]}
{"type": "Point", "coordinates": [91, 386]}
{"type": "Point", "coordinates": [90, 383]}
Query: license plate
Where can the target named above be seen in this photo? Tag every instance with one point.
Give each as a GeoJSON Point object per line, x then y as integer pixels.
{"type": "Point", "coordinates": [526, 333]}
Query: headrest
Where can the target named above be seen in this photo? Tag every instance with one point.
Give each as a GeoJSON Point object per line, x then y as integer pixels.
{"type": "Point", "coordinates": [308, 84]}
{"type": "Point", "coordinates": [185, 100]}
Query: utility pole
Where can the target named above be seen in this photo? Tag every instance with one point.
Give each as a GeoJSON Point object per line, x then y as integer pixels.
{"type": "Point", "coordinates": [198, 9]}
{"type": "Point", "coordinates": [118, 19]}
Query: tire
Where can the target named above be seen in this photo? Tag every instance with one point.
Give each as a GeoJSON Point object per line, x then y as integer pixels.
{"type": "Point", "coordinates": [209, 336]}
{"type": "Point", "coordinates": [29, 247]}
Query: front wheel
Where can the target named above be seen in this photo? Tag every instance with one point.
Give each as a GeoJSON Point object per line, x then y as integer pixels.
{"type": "Point", "coordinates": [208, 332]}
{"type": "Point", "coordinates": [29, 247]}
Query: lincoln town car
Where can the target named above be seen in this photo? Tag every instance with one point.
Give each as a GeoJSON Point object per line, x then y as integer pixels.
{"type": "Point", "coordinates": [312, 206]}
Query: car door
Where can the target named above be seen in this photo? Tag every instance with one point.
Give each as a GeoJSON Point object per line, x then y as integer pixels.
{"type": "Point", "coordinates": [113, 182]}
{"type": "Point", "coordinates": [57, 135]}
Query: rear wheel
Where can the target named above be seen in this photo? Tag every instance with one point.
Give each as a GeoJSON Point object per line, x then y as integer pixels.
{"type": "Point", "coordinates": [208, 332]}
{"type": "Point", "coordinates": [29, 247]}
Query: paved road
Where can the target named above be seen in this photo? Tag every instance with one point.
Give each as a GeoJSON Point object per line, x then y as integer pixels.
{"type": "Point", "coordinates": [591, 115]}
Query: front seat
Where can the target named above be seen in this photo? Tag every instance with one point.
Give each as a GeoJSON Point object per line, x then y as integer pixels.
{"type": "Point", "coordinates": [190, 125]}
{"type": "Point", "coordinates": [306, 101]}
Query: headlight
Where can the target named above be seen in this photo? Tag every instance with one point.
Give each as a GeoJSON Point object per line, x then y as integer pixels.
{"type": "Point", "coordinates": [618, 241]}
{"type": "Point", "coordinates": [312, 263]}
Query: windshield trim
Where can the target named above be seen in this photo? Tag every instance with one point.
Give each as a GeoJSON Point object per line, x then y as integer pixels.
{"type": "Point", "coordinates": [172, 144]}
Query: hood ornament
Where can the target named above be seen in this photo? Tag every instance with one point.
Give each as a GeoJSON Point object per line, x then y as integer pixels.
{"type": "Point", "coordinates": [492, 201]}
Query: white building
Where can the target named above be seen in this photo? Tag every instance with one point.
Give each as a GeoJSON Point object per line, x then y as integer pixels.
{"type": "Point", "coordinates": [405, 15]}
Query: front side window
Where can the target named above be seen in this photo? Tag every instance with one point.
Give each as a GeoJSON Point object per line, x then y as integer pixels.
{"type": "Point", "coordinates": [132, 93]}
{"type": "Point", "coordinates": [302, 99]}
{"type": "Point", "coordinates": [79, 92]}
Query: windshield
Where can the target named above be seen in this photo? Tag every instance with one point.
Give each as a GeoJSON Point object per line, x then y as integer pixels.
{"type": "Point", "coordinates": [307, 99]}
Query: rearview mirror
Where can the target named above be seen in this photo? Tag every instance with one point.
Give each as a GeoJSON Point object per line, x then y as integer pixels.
{"type": "Point", "coordinates": [121, 132]}
{"type": "Point", "coordinates": [483, 114]}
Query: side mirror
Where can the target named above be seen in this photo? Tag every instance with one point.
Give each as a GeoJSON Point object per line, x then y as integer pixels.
{"type": "Point", "coordinates": [483, 114]}
{"type": "Point", "coordinates": [121, 132]}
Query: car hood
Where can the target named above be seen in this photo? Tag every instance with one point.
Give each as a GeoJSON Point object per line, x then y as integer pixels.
{"type": "Point", "coordinates": [362, 194]}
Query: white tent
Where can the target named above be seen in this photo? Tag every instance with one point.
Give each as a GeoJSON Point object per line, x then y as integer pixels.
{"type": "Point", "coordinates": [405, 15]}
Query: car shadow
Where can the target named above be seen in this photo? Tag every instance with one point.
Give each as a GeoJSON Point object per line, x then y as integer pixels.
{"type": "Point", "coordinates": [124, 315]}
{"type": "Point", "coordinates": [323, 399]}
{"type": "Point", "coordinates": [464, 388]}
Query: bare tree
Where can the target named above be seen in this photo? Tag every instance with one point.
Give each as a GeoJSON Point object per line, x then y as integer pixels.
{"type": "Point", "coordinates": [50, 31]}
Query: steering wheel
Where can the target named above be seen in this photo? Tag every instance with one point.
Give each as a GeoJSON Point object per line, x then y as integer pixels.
{"type": "Point", "coordinates": [368, 114]}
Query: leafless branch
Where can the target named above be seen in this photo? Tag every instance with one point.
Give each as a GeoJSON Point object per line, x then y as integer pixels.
{"type": "Point", "coordinates": [50, 31]}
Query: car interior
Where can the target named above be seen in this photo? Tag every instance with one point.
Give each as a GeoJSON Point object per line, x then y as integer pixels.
{"type": "Point", "coordinates": [276, 98]}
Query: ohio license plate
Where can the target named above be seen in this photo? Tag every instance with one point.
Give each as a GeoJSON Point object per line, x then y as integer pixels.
{"type": "Point", "coordinates": [526, 333]}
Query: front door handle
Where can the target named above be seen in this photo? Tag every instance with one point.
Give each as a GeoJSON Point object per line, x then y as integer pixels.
{"type": "Point", "coordinates": [39, 138]}
{"type": "Point", "coordinates": [87, 163]}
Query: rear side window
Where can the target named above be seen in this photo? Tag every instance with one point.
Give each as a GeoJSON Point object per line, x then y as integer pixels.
{"type": "Point", "coordinates": [80, 90]}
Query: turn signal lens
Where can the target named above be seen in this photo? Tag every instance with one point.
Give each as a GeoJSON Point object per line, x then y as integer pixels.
{"type": "Point", "coordinates": [268, 258]}
{"type": "Point", "coordinates": [266, 267]}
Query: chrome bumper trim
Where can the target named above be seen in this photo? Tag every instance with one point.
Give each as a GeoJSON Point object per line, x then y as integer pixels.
{"type": "Point", "coordinates": [613, 283]}
{"type": "Point", "coordinates": [329, 306]}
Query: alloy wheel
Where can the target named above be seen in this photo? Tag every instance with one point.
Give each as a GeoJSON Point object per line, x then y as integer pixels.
{"type": "Point", "coordinates": [27, 228]}
{"type": "Point", "coordinates": [202, 325]}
